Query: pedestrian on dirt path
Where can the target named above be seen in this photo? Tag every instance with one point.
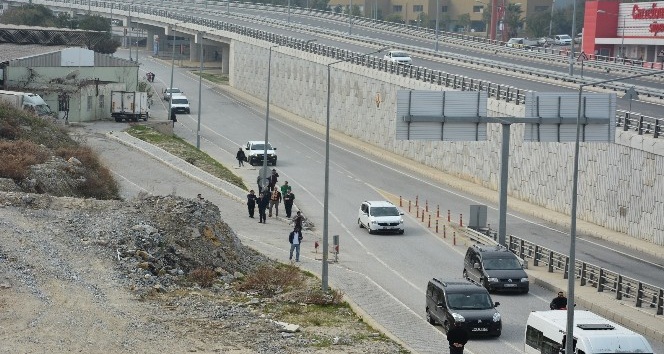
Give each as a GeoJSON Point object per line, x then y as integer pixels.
{"type": "Point", "coordinates": [295, 239]}
{"type": "Point", "coordinates": [251, 203]}
{"type": "Point", "coordinates": [275, 199]}
{"type": "Point", "coordinates": [288, 199]}
{"type": "Point", "coordinates": [263, 201]}
{"type": "Point", "coordinates": [241, 157]}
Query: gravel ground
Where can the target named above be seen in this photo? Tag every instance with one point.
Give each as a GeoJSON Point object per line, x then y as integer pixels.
{"type": "Point", "coordinates": [82, 275]}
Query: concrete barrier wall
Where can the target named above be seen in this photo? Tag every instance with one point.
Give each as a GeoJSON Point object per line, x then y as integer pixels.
{"type": "Point", "coordinates": [620, 187]}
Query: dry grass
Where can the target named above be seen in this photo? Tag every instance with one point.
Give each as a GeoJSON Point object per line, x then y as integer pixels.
{"type": "Point", "coordinates": [203, 276]}
{"type": "Point", "coordinates": [18, 156]}
{"type": "Point", "coordinates": [269, 280]}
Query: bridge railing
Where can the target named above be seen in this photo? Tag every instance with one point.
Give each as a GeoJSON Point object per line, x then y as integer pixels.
{"type": "Point", "coordinates": [640, 123]}
{"type": "Point", "coordinates": [624, 288]}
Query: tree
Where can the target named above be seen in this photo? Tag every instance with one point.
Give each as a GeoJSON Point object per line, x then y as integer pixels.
{"type": "Point", "coordinates": [396, 18]}
{"type": "Point", "coordinates": [464, 21]}
{"type": "Point", "coordinates": [95, 23]}
{"type": "Point", "coordinates": [513, 19]}
{"type": "Point", "coordinates": [537, 25]}
{"type": "Point", "coordinates": [65, 21]}
{"type": "Point", "coordinates": [29, 15]}
{"type": "Point", "coordinates": [338, 9]}
{"type": "Point", "coordinates": [106, 44]}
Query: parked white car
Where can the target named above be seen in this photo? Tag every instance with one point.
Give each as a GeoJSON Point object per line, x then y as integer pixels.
{"type": "Point", "coordinates": [398, 57]}
{"type": "Point", "coordinates": [562, 39]}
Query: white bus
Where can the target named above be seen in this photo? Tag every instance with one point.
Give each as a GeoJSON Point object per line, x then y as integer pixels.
{"type": "Point", "coordinates": [545, 334]}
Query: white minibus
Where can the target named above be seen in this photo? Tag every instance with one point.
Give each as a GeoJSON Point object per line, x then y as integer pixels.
{"type": "Point", "coordinates": [545, 334]}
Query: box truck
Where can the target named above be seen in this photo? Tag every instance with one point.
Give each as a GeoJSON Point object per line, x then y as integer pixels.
{"type": "Point", "coordinates": [28, 101]}
{"type": "Point", "coordinates": [129, 105]}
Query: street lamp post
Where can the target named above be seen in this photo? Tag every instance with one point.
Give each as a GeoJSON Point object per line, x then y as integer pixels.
{"type": "Point", "coordinates": [350, 18]}
{"type": "Point", "coordinates": [263, 172]}
{"type": "Point", "coordinates": [200, 86]}
{"type": "Point", "coordinates": [326, 200]}
{"type": "Point", "coordinates": [170, 101]}
{"type": "Point", "coordinates": [571, 271]}
{"type": "Point", "coordinates": [571, 52]}
{"type": "Point", "coordinates": [437, 31]}
{"type": "Point", "coordinates": [553, 3]}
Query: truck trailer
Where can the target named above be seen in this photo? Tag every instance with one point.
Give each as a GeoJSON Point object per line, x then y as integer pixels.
{"type": "Point", "coordinates": [27, 101]}
{"type": "Point", "coordinates": [129, 106]}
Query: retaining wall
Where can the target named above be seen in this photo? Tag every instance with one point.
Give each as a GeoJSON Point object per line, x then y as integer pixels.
{"type": "Point", "coordinates": [621, 186]}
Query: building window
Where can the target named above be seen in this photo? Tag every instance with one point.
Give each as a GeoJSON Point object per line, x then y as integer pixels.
{"type": "Point", "coordinates": [89, 103]}
{"type": "Point", "coordinates": [443, 9]}
{"type": "Point", "coordinates": [397, 8]}
{"type": "Point", "coordinates": [478, 9]}
{"type": "Point", "coordinates": [418, 8]}
{"type": "Point", "coordinates": [542, 8]}
{"type": "Point", "coordinates": [101, 101]}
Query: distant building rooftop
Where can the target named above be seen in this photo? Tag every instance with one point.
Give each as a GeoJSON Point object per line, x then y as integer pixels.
{"type": "Point", "coordinates": [10, 51]}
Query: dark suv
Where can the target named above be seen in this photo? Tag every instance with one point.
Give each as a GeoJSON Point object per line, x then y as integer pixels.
{"type": "Point", "coordinates": [496, 268]}
{"type": "Point", "coordinates": [454, 301]}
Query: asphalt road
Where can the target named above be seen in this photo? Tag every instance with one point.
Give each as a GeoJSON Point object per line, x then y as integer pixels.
{"type": "Point", "coordinates": [400, 265]}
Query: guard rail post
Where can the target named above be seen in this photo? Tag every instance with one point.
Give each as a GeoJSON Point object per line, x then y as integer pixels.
{"type": "Point", "coordinates": [550, 261]}
{"type": "Point", "coordinates": [619, 288]}
{"type": "Point", "coordinates": [583, 273]}
{"type": "Point", "coordinates": [566, 271]}
{"type": "Point", "coordinates": [639, 295]}
{"type": "Point", "coordinates": [660, 302]}
{"type": "Point", "coordinates": [600, 281]}
{"type": "Point", "coordinates": [536, 256]}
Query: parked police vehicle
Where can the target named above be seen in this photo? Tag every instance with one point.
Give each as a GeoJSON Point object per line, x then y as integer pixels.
{"type": "Point", "coordinates": [546, 334]}
{"type": "Point", "coordinates": [449, 302]}
{"type": "Point", "coordinates": [495, 268]}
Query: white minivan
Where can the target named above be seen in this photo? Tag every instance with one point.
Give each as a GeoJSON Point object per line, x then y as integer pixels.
{"type": "Point", "coordinates": [545, 334]}
{"type": "Point", "coordinates": [380, 216]}
{"type": "Point", "coordinates": [562, 39]}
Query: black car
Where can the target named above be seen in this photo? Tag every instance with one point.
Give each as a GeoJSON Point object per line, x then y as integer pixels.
{"type": "Point", "coordinates": [495, 268]}
{"type": "Point", "coordinates": [454, 301]}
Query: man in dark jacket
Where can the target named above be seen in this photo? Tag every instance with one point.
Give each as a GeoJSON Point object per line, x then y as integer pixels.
{"type": "Point", "coordinates": [263, 202]}
{"type": "Point", "coordinates": [457, 336]}
{"type": "Point", "coordinates": [295, 239]}
{"type": "Point", "coordinates": [241, 157]}
{"type": "Point", "coordinates": [559, 302]}
{"type": "Point", "coordinates": [273, 179]}
{"type": "Point", "coordinates": [288, 199]}
{"type": "Point", "coordinates": [251, 203]}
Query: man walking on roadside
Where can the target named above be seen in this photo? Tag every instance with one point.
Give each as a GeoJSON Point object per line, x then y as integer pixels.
{"type": "Point", "coordinates": [285, 188]}
{"type": "Point", "coordinates": [241, 157]}
{"type": "Point", "coordinates": [288, 198]}
{"type": "Point", "coordinates": [295, 239]}
{"type": "Point", "coordinates": [275, 199]}
{"type": "Point", "coordinates": [263, 201]}
{"type": "Point", "coordinates": [251, 203]}
{"type": "Point", "coordinates": [457, 337]}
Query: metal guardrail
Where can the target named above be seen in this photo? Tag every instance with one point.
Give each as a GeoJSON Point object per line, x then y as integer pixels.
{"type": "Point", "coordinates": [627, 120]}
{"type": "Point", "coordinates": [548, 54]}
{"type": "Point", "coordinates": [643, 295]}
{"type": "Point", "coordinates": [640, 123]}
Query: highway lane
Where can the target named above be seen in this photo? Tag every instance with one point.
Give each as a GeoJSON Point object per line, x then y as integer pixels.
{"type": "Point", "coordinates": [530, 83]}
{"type": "Point", "coordinates": [402, 265]}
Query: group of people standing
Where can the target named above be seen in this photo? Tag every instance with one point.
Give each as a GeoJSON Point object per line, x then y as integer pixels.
{"type": "Point", "coordinates": [269, 198]}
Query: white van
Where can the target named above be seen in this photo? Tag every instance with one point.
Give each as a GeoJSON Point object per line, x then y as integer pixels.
{"type": "Point", "coordinates": [545, 334]}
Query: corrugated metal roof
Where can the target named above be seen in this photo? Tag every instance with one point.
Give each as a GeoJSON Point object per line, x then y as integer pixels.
{"type": "Point", "coordinates": [10, 51]}
{"type": "Point", "coordinates": [53, 59]}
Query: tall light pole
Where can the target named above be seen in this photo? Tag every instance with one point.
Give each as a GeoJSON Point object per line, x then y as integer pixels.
{"type": "Point", "coordinates": [571, 52]}
{"type": "Point", "coordinates": [326, 200]}
{"type": "Point", "coordinates": [200, 86]}
{"type": "Point", "coordinates": [288, 11]}
{"type": "Point", "coordinates": [437, 31]}
{"type": "Point", "coordinates": [494, 18]}
{"type": "Point", "coordinates": [553, 3]}
{"type": "Point", "coordinates": [571, 271]}
{"type": "Point", "coordinates": [263, 172]}
{"type": "Point", "coordinates": [170, 100]}
{"type": "Point", "coordinates": [350, 18]}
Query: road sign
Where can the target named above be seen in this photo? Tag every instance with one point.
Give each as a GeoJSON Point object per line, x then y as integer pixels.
{"type": "Point", "coordinates": [582, 57]}
{"type": "Point", "coordinates": [661, 53]}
